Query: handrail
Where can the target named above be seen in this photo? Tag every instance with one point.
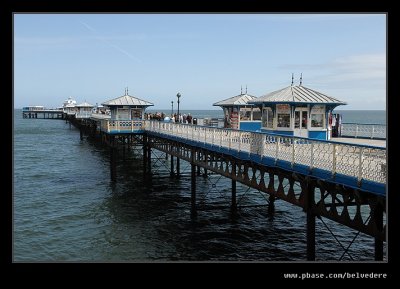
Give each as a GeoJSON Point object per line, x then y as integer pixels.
{"type": "Point", "coordinates": [359, 130]}
{"type": "Point", "coordinates": [360, 162]}
{"type": "Point", "coordinates": [352, 160]}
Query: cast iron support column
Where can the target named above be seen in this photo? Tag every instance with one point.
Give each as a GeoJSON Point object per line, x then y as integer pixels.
{"type": "Point", "coordinates": [271, 205]}
{"type": "Point", "coordinates": [144, 156]}
{"type": "Point", "coordinates": [378, 216]}
{"type": "Point", "coordinates": [113, 164]}
{"type": "Point", "coordinates": [172, 166]}
{"type": "Point", "coordinates": [310, 221]}
{"type": "Point", "coordinates": [149, 157]}
{"type": "Point", "coordinates": [178, 165]}
{"type": "Point", "coordinates": [193, 211]}
{"type": "Point", "coordinates": [205, 162]}
{"type": "Point", "coordinates": [123, 147]}
{"type": "Point", "coordinates": [234, 204]}
{"type": "Point", "coordinates": [81, 133]}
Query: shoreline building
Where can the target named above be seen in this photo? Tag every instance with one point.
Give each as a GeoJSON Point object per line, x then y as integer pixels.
{"type": "Point", "coordinates": [297, 111]}
{"type": "Point", "coordinates": [239, 113]}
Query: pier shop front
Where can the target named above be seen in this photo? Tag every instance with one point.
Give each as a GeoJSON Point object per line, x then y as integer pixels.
{"type": "Point", "coordinates": [239, 114]}
{"type": "Point", "coordinates": [298, 111]}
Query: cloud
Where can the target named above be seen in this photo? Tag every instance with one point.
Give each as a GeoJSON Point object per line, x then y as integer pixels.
{"type": "Point", "coordinates": [367, 68]}
{"type": "Point", "coordinates": [105, 40]}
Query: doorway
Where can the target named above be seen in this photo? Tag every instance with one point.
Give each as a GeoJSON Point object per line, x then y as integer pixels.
{"type": "Point", "coordinates": [301, 121]}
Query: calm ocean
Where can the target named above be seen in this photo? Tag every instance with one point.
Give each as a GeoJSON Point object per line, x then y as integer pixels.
{"type": "Point", "coordinates": [66, 208]}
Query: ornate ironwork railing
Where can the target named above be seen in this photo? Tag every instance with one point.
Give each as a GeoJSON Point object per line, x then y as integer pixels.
{"type": "Point", "coordinates": [121, 126]}
{"type": "Point", "coordinates": [335, 159]}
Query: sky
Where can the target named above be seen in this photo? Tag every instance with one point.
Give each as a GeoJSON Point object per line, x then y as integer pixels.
{"type": "Point", "coordinates": [204, 57]}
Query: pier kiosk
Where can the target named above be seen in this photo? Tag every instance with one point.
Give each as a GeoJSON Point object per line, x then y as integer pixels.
{"type": "Point", "coordinates": [126, 115]}
{"type": "Point", "coordinates": [84, 110]}
{"type": "Point", "coordinates": [239, 114]}
{"type": "Point", "coordinates": [297, 111]}
{"type": "Point", "coordinates": [127, 107]}
{"type": "Point", "coordinates": [69, 106]}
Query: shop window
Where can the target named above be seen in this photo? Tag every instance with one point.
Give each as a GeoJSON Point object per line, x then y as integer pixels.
{"type": "Point", "coordinates": [283, 120]}
{"type": "Point", "coordinates": [317, 120]}
{"type": "Point", "coordinates": [256, 114]}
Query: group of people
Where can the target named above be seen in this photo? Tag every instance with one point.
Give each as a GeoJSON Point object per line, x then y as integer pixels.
{"type": "Point", "coordinates": [181, 118]}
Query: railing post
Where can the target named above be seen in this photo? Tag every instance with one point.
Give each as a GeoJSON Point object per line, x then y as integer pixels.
{"type": "Point", "coordinates": [372, 132]}
{"type": "Point", "coordinates": [356, 130]}
{"type": "Point", "coordinates": [312, 155]}
{"type": "Point", "coordinates": [230, 138]}
{"type": "Point", "coordinates": [278, 139]}
{"type": "Point", "coordinates": [240, 140]}
{"type": "Point", "coordinates": [293, 151]}
{"type": "Point", "coordinates": [360, 163]}
{"type": "Point", "coordinates": [334, 160]}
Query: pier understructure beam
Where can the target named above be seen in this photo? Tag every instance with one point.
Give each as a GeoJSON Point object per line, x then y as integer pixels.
{"type": "Point", "coordinates": [335, 202]}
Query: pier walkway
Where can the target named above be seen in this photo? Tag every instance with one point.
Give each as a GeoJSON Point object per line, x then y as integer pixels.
{"type": "Point", "coordinates": [359, 166]}
{"type": "Point", "coordinates": [341, 181]}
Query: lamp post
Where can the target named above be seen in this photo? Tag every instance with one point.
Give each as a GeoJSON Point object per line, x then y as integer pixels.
{"type": "Point", "coordinates": [172, 108]}
{"type": "Point", "coordinates": [178, 96]}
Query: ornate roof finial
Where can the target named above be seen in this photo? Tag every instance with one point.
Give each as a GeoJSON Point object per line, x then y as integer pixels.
{"type": "Point", "coordinates": [127, 90]}
{"type": "Point", "coordinates": [246, 88]}
{"type": "Point", "coordinates": [301, 78]}
{"type": "Point", "coordinates": [241, 90]}
{"type": "Point", "coordinates": [292, 79]}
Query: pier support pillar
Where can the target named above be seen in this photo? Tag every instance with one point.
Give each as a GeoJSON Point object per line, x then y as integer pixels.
{"type": "Point", "coordinates": [81, 134]}
{"type": "Point", "coordinates": [178, 167]}
{"type": "Point", "coordinates": [198, 158]}
{"type": "Point", "coordinates": [310, 222]}
{"type": "Point", "coordinates": [123, 146]}
{"type": "Point", "coordinates": [172, 166]}
{"type": "Point", "coordinates": [205, 162]}
{"type": "Point", "coordinates": [144, 156]}
{"type": "Point", "coordinates": [113, 164]}
{"type": "Point", "coordinates": [271, 205]}
{"type": "Point", "coordinates": [378, 216]}
{"type": "Point", "coordinates": [148, 159]}
{"type": "Point", "coordinates": [233, 200]}
{"type": "Point", "coordinates": [193, 210]}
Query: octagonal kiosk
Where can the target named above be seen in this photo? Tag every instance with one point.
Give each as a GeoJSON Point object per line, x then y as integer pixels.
{"type": "Point", "coordinates": [239, 114]}
{"type": "Point", "coordinates": [84, 110]}
{"type": "Point", "coordinates": [127, 114]}
{"type": "Point", "coordinates": [297, 111]}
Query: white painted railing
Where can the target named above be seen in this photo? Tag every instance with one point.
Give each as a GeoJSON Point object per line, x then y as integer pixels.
{"type": "Point", "coordinates": [85, 114]}
{"type": "Point", "coordinates": [364, 130]}
{"type": "Point", "coordinates": [360, 162]}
